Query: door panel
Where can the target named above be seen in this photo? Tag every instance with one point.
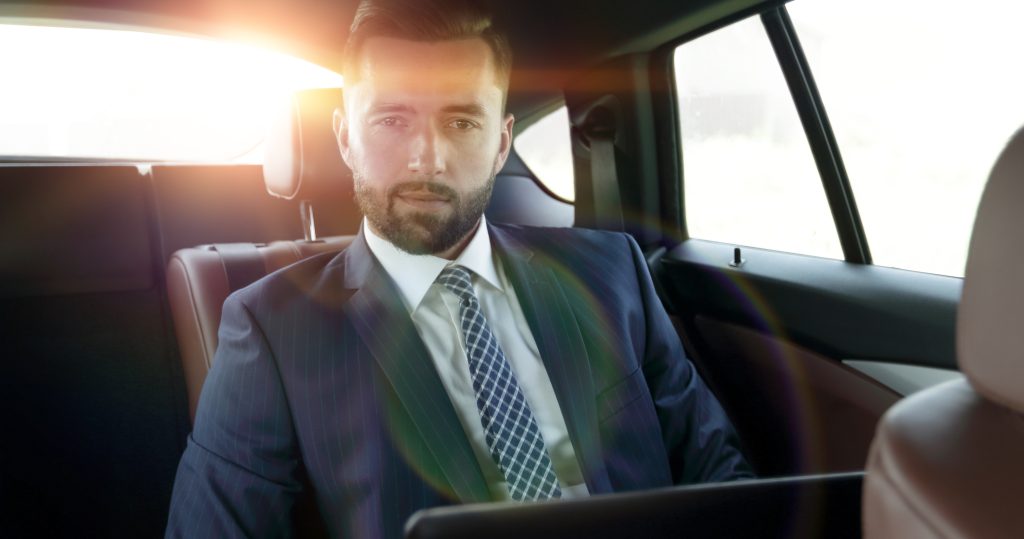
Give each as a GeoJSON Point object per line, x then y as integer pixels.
{"type": "Point", "coordinates": [799, 412]}
{"type": "Point", "coordinates": [770, 337]}
{"type": "Point", "coordinates": [844, 310]}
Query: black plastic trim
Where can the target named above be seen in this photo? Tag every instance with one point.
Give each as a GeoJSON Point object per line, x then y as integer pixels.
{"type": "Point", "coordinates": [841, 309]}
{"type": "Point", "coordinates": [672, 201]}
{"type": "Point", "coordinates": [822, 141]}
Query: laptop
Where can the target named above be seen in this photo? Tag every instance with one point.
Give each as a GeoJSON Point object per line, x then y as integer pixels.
{"type": "Point", "coordinates": [792, 507]}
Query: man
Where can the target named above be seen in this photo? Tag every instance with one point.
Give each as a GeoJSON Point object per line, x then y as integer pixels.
{"type": "Point", "coordinates": [440, 358]}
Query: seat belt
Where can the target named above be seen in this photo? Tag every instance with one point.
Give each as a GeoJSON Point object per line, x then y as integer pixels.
{"type": "Point", "coordinates": [242, 263]}
{"type": "Point", "coordinates": [599, 129]}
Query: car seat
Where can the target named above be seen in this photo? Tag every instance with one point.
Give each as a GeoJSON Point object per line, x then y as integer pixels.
{"type": "Point", "coordinates": [949, 461]}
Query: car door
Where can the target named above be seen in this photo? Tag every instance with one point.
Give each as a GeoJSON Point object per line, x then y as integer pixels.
{"type": "Point", "coordinates": [732, 177]}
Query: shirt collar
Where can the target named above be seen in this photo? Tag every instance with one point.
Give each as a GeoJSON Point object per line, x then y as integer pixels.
{"type": "Point", "coordinates": [414, 274]}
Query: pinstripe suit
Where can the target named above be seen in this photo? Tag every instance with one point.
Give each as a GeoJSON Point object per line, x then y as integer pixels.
{"type": "Point", "coordinates": [322, 408]}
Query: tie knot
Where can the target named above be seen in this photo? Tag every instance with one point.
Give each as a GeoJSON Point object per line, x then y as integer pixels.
{"type": "Point", "coordinates": [458, 280]}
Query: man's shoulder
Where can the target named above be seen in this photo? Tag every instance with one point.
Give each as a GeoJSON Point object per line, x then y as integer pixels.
{"type": "Point", "coordinates": [556, 238]}
{"type": "Point", "coordinates": [300, 281]}
{"type": "Point", "coordinates": [596, 258]}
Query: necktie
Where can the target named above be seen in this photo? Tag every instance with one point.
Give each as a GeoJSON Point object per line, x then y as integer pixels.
{"type": "Point", "coordinates": [510, 429]}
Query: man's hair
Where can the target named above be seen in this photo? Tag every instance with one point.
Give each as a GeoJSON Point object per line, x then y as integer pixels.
{"type": "Point", "coordinates": [428, 21]}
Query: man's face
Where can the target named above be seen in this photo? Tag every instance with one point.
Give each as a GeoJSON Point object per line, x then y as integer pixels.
{"type": "Point", "coordinates": [424, 134]}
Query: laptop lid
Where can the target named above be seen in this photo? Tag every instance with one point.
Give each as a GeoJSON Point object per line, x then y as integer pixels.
{"type": "Point", "coordinates": [805, 506]}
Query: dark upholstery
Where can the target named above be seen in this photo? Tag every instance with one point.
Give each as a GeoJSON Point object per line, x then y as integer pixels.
{"type": "Point", "coordinates": [96, 422]}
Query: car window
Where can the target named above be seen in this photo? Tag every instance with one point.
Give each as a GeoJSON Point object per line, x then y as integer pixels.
{"type": "Point", "coordinates": [96, 93]}
{"type": "Point", "coordinates": [546, 148]}
{"type": "Point", "coordinates": [749, 175]}
{"type": "Point", "coordinates": [920, 111]}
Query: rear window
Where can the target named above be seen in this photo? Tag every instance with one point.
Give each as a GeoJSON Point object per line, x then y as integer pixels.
{"type": "Point", "coordinates": [113, 94]}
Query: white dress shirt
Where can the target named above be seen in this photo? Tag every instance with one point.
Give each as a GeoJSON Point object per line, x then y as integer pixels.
{"type": "Point", "coordinates": [435, 314]}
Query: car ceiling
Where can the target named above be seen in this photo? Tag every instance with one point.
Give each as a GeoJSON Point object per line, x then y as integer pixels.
{"type": "Point", "coordinates": [551, 38]}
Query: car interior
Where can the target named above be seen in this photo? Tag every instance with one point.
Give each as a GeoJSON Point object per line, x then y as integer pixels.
{"type": "Point", "coordinates": [113, 273]}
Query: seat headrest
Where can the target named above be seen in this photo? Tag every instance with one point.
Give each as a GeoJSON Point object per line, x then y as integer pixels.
{"type": "Point", "coordinates": [302, 160]}
{"type": "Point", "coordinates": [990, 321]}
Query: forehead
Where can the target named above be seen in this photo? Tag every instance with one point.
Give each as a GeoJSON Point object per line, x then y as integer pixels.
{"type": "Point", "coordinates": [391, 67]}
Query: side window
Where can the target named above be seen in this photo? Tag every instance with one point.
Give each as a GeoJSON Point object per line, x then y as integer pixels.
{"type": "Point", "coordinates": [545, 147]}
{"type": "Point", "coordinates": [920, 111]}
{"type": "Point", "coordinates": [749, 175]}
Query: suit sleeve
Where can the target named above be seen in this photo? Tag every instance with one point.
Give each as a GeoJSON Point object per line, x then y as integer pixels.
{"type": "Point", "coordinates": [238, 476]}
{"type": "Point", "coordinates": [700, 440]}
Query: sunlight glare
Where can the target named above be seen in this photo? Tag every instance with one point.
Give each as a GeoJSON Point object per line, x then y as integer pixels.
{"type": "Point", "coordinates": [76, 92]}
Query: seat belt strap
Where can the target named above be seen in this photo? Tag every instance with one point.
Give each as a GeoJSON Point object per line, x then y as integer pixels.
{"type": "Point", "coordinates": [243, 263]}
{"type": "Point", "coordinates": [600, 133]}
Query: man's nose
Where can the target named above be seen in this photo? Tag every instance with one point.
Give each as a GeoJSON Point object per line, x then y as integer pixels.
{"type": "Point", "coordinates": [426, 154]}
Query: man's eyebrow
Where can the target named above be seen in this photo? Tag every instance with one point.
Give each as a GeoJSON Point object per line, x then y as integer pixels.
{"type": "Point", "coordinates": [471, 109]}
{"type": "Point", "coordinates": [390, 107]}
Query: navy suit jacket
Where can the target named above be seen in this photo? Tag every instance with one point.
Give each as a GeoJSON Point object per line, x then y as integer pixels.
{"type": "Point", "coordinates": [324, 411]}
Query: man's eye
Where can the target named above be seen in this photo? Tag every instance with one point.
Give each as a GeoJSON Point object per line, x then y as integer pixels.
{"type": "Point", "coordinates": [462, 124]}
{"type": "Point", "coordinates": [389, 121]}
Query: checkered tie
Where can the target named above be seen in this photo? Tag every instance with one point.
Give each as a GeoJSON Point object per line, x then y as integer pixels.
{"type": "Point", "coordinates": [509, 427]}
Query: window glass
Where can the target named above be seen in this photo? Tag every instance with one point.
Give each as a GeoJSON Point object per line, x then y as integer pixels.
{"type": "Point", "coordinates": [545, 147]}
{"type": "Point", "coordinates": [76, 92]}
{"type": "Point", "coordinates": [922, 96]}
{"type": "Point", "coordinates": [749, 175]}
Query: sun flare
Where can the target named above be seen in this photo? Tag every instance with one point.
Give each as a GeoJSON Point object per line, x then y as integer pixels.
{"type": "Point", "coordinates": [78, 92]}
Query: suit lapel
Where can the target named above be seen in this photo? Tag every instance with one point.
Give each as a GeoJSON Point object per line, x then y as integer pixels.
{"type": "Point", "coordinates": [383, 323]}
{"type": "Point", "coordinates": [557, 333]}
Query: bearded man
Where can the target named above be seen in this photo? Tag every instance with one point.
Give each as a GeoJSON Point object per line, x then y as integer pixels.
{"type": "Point", "coordinates": [440, 358]}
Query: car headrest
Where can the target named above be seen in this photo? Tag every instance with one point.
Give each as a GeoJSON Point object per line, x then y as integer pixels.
{"type": "Point", "coordinates": [302, 160]}
{"type": "Point", "coordinates": [990, 321]}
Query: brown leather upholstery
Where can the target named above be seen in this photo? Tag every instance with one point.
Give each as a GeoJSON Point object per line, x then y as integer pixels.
{"type": "Point", "coordinates": [949, 461]}
{"type": "Point", "coordinates": [197, 284]}
{"type": "Point", "coordinates": [946, 463]}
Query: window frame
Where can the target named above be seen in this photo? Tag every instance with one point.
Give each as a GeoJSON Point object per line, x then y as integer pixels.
{"type": "Point", "coordinates": [810, 110]}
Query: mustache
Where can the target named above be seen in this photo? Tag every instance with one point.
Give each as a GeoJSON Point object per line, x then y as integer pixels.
{"type": "Point", "coordinates": [431, 187]}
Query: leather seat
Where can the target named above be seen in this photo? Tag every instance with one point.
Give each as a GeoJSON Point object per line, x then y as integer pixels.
{"type": "Point", "coordinates": [302, 163]}
{"type": "Point", "coordinates": [949, 462]}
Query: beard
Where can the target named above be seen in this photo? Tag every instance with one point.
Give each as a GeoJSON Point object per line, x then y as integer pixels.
{"type": "Point", "coordinates": [418, 232]}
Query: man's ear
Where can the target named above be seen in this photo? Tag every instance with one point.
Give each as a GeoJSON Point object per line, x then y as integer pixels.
{"type": "Point", "coordinates": [341, 134]}
{"type": "Point", "coordinates": [505, 146]}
